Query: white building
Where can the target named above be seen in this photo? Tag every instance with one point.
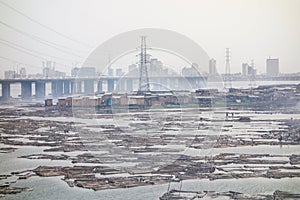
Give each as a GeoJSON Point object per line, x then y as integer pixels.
{"type": "Point", "coordinates": [272, 67]}
{"type": "Point", "coordinates": [212, 67]}
{"type": "Point", "coordinates": [248, 70]}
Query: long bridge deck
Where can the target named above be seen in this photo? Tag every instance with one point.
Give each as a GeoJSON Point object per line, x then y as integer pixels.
{"type": "Point", "coordinates": [89, 85]}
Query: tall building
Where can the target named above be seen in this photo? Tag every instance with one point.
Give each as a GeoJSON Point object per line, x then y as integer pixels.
{"type": "Point", "coordinates": [212, 67]}
{"type": "Point", "coordinates": [272, 67]}
{"type": "Point", "coordinates": [23, 72]}
{"type": "Point", "coordinates": [245, 69]}
{"type": "Point", "coordinates": [48, 69]}
{"type": "Point", "coordinates": [10, 74]}
{"type": "Point", "coordinates": [110, 71]}
{"type": "Point", "coordinates": [248, 70]}
{"type": "Point", "coordinates": [119, 72]}
{"type": "Point", "coordinates": [132, 70]}
{"type": "Point", "coordinates": [156, 68]}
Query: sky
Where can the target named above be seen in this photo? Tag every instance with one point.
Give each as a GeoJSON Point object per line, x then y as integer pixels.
{"type": "Point", "coordinates": [67, 31]}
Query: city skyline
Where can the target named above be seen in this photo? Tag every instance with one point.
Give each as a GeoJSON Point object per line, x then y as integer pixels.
{"type": "Point", "coordinates": [155, 66]}
{"type": "Point", "coordinates": [271, 29]}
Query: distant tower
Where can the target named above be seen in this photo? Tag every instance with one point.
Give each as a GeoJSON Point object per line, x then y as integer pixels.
{"type": "Point", "coordinates": [227, 75]}
{"type": "Point", "coordinates": [272, 67]}
{"type": "Point", "coordinates": [143, 78]}
{"type": "Point", "coordinates": [252, 74]}
{"type": "Point", "coordinates": [212, 67]}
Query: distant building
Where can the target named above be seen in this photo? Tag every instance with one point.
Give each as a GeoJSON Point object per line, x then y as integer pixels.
{"type": "Point", "coordinates": [110, 71]}
{"type": "Point", "coordinates": [119, 72]}
{"type": "Point", "coordinates": [10, 74]}
{"type": "Point", "coordinates": [248, 70]}
{"type": "Point", "coordinates": [245, 69]}
{"type": "Point", "coordinates": [50, 72]}
{"type": "Point", "coordinates": [272, 67]}
{"type": "Point", "coordinates": [155, 68]}
{"type": "Point", "coordinates": [23, 72]}
{"type": "Point", "coordinates": [48, 69]}
{"type": "Point", "coordinates": [58, 74]}
{"type": "Point", "coordinates": [212, 67]}
{"type": "Point", "coordinates": [132, 67]}
{"type": "Point", "coordinates": [251, 71]}
{"type": "Point", "coordinates": [190, 71]}
{"type": "Point", "coordinates": [133, 70]}
{"type": "Point", "coordinates": [75, 71]}
{"type": "Point", "coordinates": [87, 72]}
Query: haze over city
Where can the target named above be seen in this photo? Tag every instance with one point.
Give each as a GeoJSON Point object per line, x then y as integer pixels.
{"type": "Point", "coordinates": [67, 31]}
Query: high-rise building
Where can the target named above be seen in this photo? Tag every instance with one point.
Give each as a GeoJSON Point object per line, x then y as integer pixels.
{"type": "Point", "coordinates": [75, 71]}
{"type": "Point", "coordinates": [245, 69]}
{"type": "Point", "coordinates": [23, 72]}
{"type": "Point", "coordinates": [48, 69]}
{"type": "Point", "coordinates": [156, 68]}
{"type": "Point", "coordinates": [10, 74]}
{"type": "Point", "coordinates": [212, 67]}
{"type": "Point", "coordinates": [248, 70]}
{"type": "Point", "coordinates": [132, 70]}
{"type": "Point", "coordinates": [272, 67]}
{"type": "Point", "coordinates": [110, 71]}
{"type": "Point", "coordinates": [119, 72]}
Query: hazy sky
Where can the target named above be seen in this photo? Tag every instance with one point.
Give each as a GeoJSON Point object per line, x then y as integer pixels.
{"type": "Point", "coordinates": [253, 29]}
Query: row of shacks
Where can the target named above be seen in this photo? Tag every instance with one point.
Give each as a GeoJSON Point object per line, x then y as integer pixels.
{"type": "Point", "coordinates": [262, 95]}
{"type": "Point", "coordinates": [107, 100]}
{"type": "Point", "coordinates": [270, 95]}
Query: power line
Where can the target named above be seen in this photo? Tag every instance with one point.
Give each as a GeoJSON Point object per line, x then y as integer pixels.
{"type": "Point", "coordinates": [38, 52]}
{"type": "Point", "coordinates": [14, 61]}
{"type": "Point", "coordinates": [44, 26]}
{"type": "Point", "coordinates": [36, 56]}
{"type": "Point", "coordinates": [41, 40]}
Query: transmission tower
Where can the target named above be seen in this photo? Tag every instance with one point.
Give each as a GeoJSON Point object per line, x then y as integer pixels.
{"type": "Point", "coordinates": [143, 79]}
{"type": "Point", "coordinates": [252, 76]}
{"type": "Point", "coordinates": [227, 75]}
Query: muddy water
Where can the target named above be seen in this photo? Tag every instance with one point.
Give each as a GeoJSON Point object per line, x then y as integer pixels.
{"type": "Point", "coordinates": [54, 188]}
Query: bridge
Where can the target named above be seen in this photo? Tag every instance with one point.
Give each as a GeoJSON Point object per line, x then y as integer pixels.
{"type": "Point", "coordinates": [91, 85]}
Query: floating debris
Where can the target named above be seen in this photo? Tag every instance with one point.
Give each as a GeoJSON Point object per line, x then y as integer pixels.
{"type": "Point", "coordinates": [191, 195]}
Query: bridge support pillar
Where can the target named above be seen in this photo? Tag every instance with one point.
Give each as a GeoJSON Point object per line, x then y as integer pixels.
{"type": "Point", "coordinates": [57, 88]}
{"type": "Point", "coordinates": [129, 85]}
{"type": "Point", "coordinates": [110, 85]}
{"type": "Point", "coordinates": [78, 87]}
{"type": "Point", "coordinates": [66, 87]}
{"type": "Point", "coordinates": [120, 86]}
{"type": "Point", "coordinates": [99, 87]}
{"type": "Point", "coordinates": [72, 87]}
{"type": "Point", "coordinates": [40, 89]}
{"type": "Point", "coordinates": [26, 90]}
{"type": "Point", "coordinates": [5, 91]}
{"type": "Point", "coordinates": [89, 87]}
{"type": "Point", "coordinates": [53, 88]}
